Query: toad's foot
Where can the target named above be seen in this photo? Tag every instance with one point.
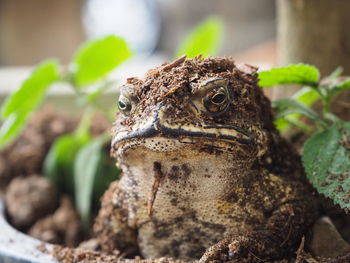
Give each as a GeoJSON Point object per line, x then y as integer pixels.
{"type": "Point", "coordinates": [243, 248]}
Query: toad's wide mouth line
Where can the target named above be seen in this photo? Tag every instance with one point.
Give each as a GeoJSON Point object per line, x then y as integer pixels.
{"type": "Point", "coordinates": [160, 130]}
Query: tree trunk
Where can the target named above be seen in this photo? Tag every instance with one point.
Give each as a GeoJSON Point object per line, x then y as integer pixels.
{"type": "Point", "coordinates": [315, 32]}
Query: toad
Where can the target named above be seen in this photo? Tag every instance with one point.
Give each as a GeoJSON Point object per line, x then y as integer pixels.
{"type": "Point", "coordinates": [206, 175]}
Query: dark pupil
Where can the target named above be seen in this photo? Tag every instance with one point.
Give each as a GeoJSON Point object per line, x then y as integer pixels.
{"type": "Point", "coordinates": [122, 105]}
{"type": "Point", "coordinates": [218, 98]}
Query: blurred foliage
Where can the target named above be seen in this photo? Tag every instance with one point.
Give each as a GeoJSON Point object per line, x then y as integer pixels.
{"type": "Point", "coordinates": [77, 163]}
{"type": "Point", "coordinates": [96, 59]}
{"type": "Point", "coordinates": [20, 104]}
{"type": "Point", "coordinates": [204, 39]}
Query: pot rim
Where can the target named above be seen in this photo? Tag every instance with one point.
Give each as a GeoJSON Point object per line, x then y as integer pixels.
{"type": "Point", "coordinates": [17, 247]}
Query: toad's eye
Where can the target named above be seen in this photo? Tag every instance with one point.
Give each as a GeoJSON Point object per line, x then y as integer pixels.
{"type": "Point", "coordinates": [216, 100]}
{"type": "Point", "coordinates": [219, 98]}
{"type": "Point", "coordinates": [124, 104]}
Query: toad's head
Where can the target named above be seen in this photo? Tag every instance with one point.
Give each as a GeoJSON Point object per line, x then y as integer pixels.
{"type": "Point", "coordinates": [203, 104]}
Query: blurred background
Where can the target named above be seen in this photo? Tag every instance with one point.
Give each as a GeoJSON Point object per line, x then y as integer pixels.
{"type": "Point", "coordinates": [263, 33]}
{"type": "Point", "coordinates": [33, 30]}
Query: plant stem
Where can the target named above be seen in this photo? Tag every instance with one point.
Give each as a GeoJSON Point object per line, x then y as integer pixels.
{"type": "Point", "coordinates": [326, 109]}
{"type": "Point", "coordinates": [300, 125]}
{"type": "Point", "coordinates": [84, 124]}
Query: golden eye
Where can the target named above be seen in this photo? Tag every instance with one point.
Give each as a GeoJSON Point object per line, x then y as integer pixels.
{"type": "Point", "coordinates": [216, 100]}
{"type": "Point", "coordinates": [124, 104]}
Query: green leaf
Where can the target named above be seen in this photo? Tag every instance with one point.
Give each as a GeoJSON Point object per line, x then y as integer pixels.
{"type": "Point", "coordinates": [19, 105]}
{"type": "Point", "coordinates": [306, 96]}
{"type": "Point", "coordinates": [32, 91]}
{"type": "Point", "coordinates": [107, 173]}
{"type": "Point", "coordinates": [281, 124]}
{"type": "Point", "coordinates": [11, 128]}
{"type": "Point", "coordinates": [92, 174]}
{"type": "Point", "coordinates": [96, 59]}
{"type": "Point", "coordinates": [59, 162]}
{"type": "Point", "coordinates": [326, 158]}
{"type": "Point", "coordinates": [285, 107]}
{"type": "Point", "coordinates": [203, 40]}
{"type": "Point", "coordinates": [300, 74]}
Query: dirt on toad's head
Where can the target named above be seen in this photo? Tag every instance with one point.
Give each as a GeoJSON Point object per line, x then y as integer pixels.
{"type": "Point", "coordinates": [176, 80]}
{"type": "Point", "coordinates": [198, 99]}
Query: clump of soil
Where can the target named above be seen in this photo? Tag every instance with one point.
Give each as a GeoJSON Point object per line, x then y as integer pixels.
{"type": "Point", "coordinates": [61, 227]}
{"type": "Point", "coordinates": [26, 155]}
{"type": "Point", "coordinates": [33, 206]}
{"type": "Point", "coordinates": [30, 198]}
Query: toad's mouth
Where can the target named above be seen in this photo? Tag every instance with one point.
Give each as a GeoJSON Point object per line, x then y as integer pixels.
{"type": "Point", "coordinates": [159, 127]}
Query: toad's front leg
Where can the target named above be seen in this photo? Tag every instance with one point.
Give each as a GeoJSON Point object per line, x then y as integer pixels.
{"type": "Point", "coordinates": [277, 239]}
{"type": "Point", "coordinates": [111, 226]}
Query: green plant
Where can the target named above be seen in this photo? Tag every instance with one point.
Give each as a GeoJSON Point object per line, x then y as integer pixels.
{"type": "Point", "coordinates": [326, 154]}
{"type": "Point", "coordinates": [77, 163]}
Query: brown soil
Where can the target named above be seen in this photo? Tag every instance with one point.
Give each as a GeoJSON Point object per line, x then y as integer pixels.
{"type": "Point", "coordinates": [68, 255]}
{"type": "Point", "coordinates": [30, 198]}
{"type": "Point", "coordinates": [61, 227]}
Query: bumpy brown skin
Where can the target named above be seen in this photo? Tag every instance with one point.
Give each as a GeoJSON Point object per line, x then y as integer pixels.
{"type": "Point", "coordinates": [203, 178]}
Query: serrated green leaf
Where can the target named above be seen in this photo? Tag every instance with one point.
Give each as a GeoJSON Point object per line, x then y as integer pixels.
{"type": "Point", "coordinates": [301, 74]}
{"type": "Point", "coordinates": [326, 159]}
{"type": "Point", "coordinates": [20, 104]}
{"type": "Point", "coordinates": [97, 58]}
{"type": "Point", "coordinates": [92, 174]}
{"type": "Point", "coordinates": [203, 40]}
{"type": "Point", "coordinates": [285, 107]}
{"type": "Point", "coordinates": [59, 162]}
